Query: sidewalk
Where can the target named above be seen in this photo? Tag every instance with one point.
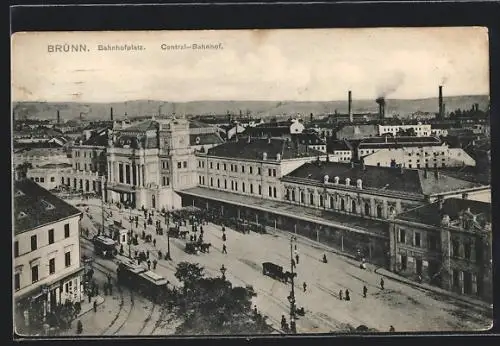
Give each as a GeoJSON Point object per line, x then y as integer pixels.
{"type": "Point", "coordinates": [384, 272]}
{"type": "Point", "coordinates": [86, 306]}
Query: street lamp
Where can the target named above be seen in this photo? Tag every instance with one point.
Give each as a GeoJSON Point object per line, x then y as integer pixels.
{"type": "Point", "coordinates": [223, 271]}
{"type": "Point", "coordinates": [167, 256]}
{"type": "Point", "coordinates": [291, 297]}
{"type": "Point", "coordinates": [129, 204]}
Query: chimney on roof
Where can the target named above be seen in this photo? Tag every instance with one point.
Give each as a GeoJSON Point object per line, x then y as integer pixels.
{"type": "Point", "coordinates": [111, 114]}
{"type": "Point", "coordinates": [349, 106]}
{"type": "Point", "coordinates": [440, 101]}
{"type": "Point", "coordinates": [58, 117]}
{"type": "Point", "coordinates": [381, 107]}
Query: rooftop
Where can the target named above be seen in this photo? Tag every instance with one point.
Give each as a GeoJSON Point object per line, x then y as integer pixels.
{"type": "Point", "coordinates": [255, 148]}
{"type": "Point", "coordinates": [310, 138]}
{"type": "Point", "coordinates": [142, 126]}
{"type": "Point", "coordinates": [34, 206]}
{"type": "Point", "coordinates": [55, 165]}
{"type": "Point", "coordinates": [340, 145]}
{"type": "Point", "coordinates": [383, 178]}
{"type": "Point", "coordinates": [205, 139]}
{"type": "Point", "coordinates": [431, 214]}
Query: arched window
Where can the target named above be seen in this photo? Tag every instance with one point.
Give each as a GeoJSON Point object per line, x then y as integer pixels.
{"type": "Point", "coordinates": [311, 199]}
{"type": "Point", "coordinates": [367, 209]}
{"type": "Point", "coordinates": [320, 200]}
{"type": "Point", "coordinates": [342, 204]}
{"type": "Point", "coordinates": [218, 182]}
{"type": "Point", "coordinates": [62, 180]}
{"type": "Point", "coordinates": [153, 201]}
{"type": "Point", "coordinates": [379, 211]}
{"type": "Point", "coordinates": [274, 192]}
{"type": "Point", "coordinates": [302, 197]}
{"type": "Point", "coordinates": [332, 202]}
{"type": "Point", "coordinates": [293, 195]}
{"type": "Point", "coordinates": [353, 206]}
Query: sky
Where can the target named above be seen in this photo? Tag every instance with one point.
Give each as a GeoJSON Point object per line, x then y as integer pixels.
{"type": "Point", "coordinates": [274, 65]}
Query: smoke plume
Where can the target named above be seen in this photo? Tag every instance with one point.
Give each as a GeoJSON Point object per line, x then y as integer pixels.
{"type": "Point", "coordinates": [390, 85]}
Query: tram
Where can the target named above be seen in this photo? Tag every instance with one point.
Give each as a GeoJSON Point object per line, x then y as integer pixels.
{"type": "Point", "coordinates": [141, 280]}
{"type": "Point", "coordinates": [104, 246]}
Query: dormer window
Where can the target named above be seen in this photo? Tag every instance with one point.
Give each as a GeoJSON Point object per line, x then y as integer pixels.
{"type": "Point", "coordinates": [47, 205]}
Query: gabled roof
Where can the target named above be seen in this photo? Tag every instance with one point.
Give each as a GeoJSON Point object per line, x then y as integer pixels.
{"type": "Point", "coordinates": [431, 214]}
{"type": "Point", "coordinates": [308, 138]}
{"type": "Point", "coordinates": [205, 139]}
{"type": "Point", "coordinates": [34, 206]}
{"type": "Point", "coordinates": [257, 146]}
{"type": "Point", "coordinates": [383, 178]}
{"type": "Point", "coordinates": [142, 126]}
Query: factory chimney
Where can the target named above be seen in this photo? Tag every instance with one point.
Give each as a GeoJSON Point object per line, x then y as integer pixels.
{"type": "Point", "coordinates": [111, 114]}
{"type": "Point", "coordinates": [441, 110]}
{"type": "Point", "coordinates": [381, 107]}
{"type": "Point", "coordinates": [58, 118]}
{"type": "Point", "coordinates": [349, 106]}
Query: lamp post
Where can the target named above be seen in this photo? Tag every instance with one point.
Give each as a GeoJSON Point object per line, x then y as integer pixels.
{"type": "Point", "coordinates": [168, 246]}
{"type": "Point", "coordinates": [129, 240]}
{"type": "Point", "coordinates": [103, 188]}
{"type": "Point", "coordinates": [291, 297]}
{"type": "Point", "coordinates": [223, 271]}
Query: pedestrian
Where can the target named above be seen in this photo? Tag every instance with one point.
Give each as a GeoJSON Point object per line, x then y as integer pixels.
{"type": "Point", "coordinates": [224, 237]}
{"type": "Point", "coordinates": [154, 242]}
{"type": "Point", "coordinates": [304, 285]}
{"type": "Point", "coordinates": [340, 294]}
{"type": "Point", "coordinates": [191, 238]}
{"type": "Point", "coordinates": [297, 258]}
{"type": "Point", "coordinates": [95, 305]}
{"type": "Point", "coordinates": [391, 329]}
{"type": "Point", "coordinates": [347, 297]}
{"type": "Point", "coordinates": [147, 254]}
{"type": "Point", "coordinates": [135, 253]}
{"type": "Point", "coordinates": [159, 254]}
{"type": "Point", "coordinates": [223, 229]}
{"type": "Point", "coordinates": [149, 265]}
{"type": "Point", "coordinates": [255, 310]}
{"type": "Point", "coordinates": [293, 263]}
{"type": "Point", "coordinates": [324, 259]}
{"type": "Point", "coordinates": [155, 262]}
{"type": "Point", "coordinates": [382, 283]}
{"type": "Point", "coordinates": [90, 297]}
{"type": "Point", "coordinates": [144, 224]}
{"type": "Point", "coordinates": [79, 327]}
{"type": "Point", "coordinates": [194, 237]}
{"type": "Point", "coordinates": [224, 249]}
{"type": "Point", "coordinates": [365, 290]}
{"type": "Point", "coordinates": [109, 278]}
{"type": "Point", "coordinates": [110, 288]}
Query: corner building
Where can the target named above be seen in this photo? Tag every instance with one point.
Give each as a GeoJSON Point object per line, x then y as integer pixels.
{"type": "Point", "coordinates": [47, 270]}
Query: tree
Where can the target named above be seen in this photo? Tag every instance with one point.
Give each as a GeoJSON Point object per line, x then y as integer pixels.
{"type": "Point", "coordinates": [213, 306]}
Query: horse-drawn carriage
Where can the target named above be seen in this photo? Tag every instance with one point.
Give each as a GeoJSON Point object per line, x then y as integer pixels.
{"type": "Point", "coordinates": [191, 248]}
{"type": "Point", "coordinates": [276, 272]}
{"type": "Point", "coordinates": [173, 232]}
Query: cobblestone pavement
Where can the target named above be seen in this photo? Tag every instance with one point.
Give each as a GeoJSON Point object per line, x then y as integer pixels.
{"type": "Point", "coordinates": [406, 307]}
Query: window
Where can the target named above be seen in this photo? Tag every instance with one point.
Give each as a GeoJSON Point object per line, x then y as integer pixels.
{"type": "Point", "coordinates": [243, 187]}
{"type": "Point", "coordinates": [52, 266]}
{"type": "Point", "coordinates": [211, 165]}
{"type": "Point", "coordinates": [218, 182]}
{"type": "Point", "coordinates": [199, 179]}
{"type": "Point", "coordinates": [274, 192]}
{"type": "Point", "coordinates": [320, 201]}
{"type": "Point", "coordinates": [270, 191]}
{"type": "Point", "coordinates": [120, 173]}
{"type": "Point", "coordinates": [164, 182]}
{"type": "Point", "coordinates": [52, 179]}
{"type": "Point", "coordinates": [34, 274]}
{"type": "Point", "coordinates": [251, 169]}
{"type": "Point", "coordinates": [179, 164]}
{"type": "Point", "coordinates": [236, 185]}
{"type": "Point", "coordinates": [417, 239]}
{"type": "Point", "coordinates": [51, 236]}
{"type": "Point", "coordinates": [293, 195]}
{"type": "Point", "coordinates": [269, 171]}
{"type": "Point", "coordinates": [402, 236]}
{"type": "Point", "coordinates": [168, 181]}
{"type": "Point", "coordinates": [67, 259]}
{"type": "Point", "coordinates": [251, 188]}
{"type": "Point", "coordinates": [467, 250]}
{"type": "Point", "coordinates": [242, 169]}
{"type": "Point", "coordinates": [16, 249]}
{"type": "Point", "coordinates": [37, 179]}
{"type": "Point", "coordinates": [42, 179]}
{"type": "Point", "coordinates": [260, 190]}
{"type": "Point", "coordinates": [185, 164]}
{"type": "Point", "coordinates": [225, 183]}
{"type": "Point", "coordinates": [274, 172]}
{"type": "Point", "coordinates": [217, 166]}
{"type": "Point", "coordinates": [455, 248]}
{"type": "Point", "coordinates": [311, 199]}
{"type": "Point", "coordinates": [302, 197]}
{"type": "Point", "coordinates": [225, 167]}
{"type": "Point", "coordinates": [199, 163]}
{"type": "Point", "coordinates": [259, 172]}
{"type": "Point", "coordinates": [211, 181]}
{"type": "Point", "coordinates": [433, 242]}
{"type": "Point", "coordinates": [33, 243]}
{"type": "Point", "coordinates": [203, 180]}
{"type": "Point", "coordinates": [17, 281]}
{"type": "Point", "coordinates": [236, 168]}
{"type": "Point", "coordinates": [232, 185]}
{"type": "Point", "coordinates": [404, 262]}
{"type": "Point", "coordinates": [66, 230]}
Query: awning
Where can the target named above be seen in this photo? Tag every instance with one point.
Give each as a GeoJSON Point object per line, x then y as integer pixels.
{"type": "Point", "coordinates": [121, 188]}
{"type": "Point", "coordinates": [327, 218]}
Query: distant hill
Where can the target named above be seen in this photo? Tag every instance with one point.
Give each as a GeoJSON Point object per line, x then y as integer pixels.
{"type": "Point", "coordinates": [96, 111]}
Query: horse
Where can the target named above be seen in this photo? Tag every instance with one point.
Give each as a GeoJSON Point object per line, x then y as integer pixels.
{"type": "Point", "coordinates": [205, 247]}
{"type": "Point", "coordinates": [183, 234]}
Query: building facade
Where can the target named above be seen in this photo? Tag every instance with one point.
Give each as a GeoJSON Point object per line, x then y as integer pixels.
{"type": "Point", "coordinates": [448, 244]}
{"type": "Point", "coordinates": [47, 269]}
{"type": "Point", "coordinates": [50, 176]}
{"type": "Point", "coordinates": [420, 130]}
{"type": "Point", "coordinates": [420, 157]}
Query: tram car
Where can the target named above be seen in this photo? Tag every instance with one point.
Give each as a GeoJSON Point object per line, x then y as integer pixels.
{"type": "Point", "coordinates": [104, 246]}
{"type": "Point", "coordinates": [276, 272]}
{"type": "Point", "coordinates": [143, 281]}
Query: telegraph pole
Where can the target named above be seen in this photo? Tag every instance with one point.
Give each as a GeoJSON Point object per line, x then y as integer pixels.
{"type": "Point", "coordinates": [292, 294]}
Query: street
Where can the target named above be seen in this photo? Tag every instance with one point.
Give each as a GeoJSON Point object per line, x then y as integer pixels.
{"type": "Point", "coordinates": [404, 307]}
